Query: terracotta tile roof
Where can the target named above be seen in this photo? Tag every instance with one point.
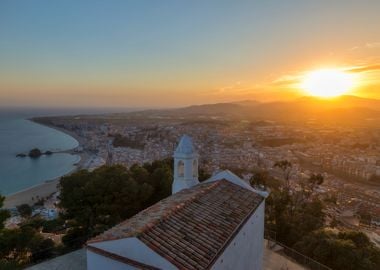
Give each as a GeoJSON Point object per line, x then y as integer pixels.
{"type": "Point", "coordinates": [192, 227]}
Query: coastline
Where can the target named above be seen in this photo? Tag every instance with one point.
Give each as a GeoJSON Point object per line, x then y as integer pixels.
{"type": "Point", "coordinates": [79, 139]}
{"type": "Point", "coordinates": [83, 155]}
{"type": "Point", "coordinates": [42, 190]}
{"type": "Point", "coordinates": [47, 187]}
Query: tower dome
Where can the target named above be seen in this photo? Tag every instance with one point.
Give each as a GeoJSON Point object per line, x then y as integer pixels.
{"type": "Point", "coordinates": [185, 146]}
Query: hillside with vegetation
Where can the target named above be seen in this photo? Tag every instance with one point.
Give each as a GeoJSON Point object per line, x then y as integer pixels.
{"type": "Point", "coordinates": [94, 201]}
{"type": "Point", "coordinates": [296, 219]}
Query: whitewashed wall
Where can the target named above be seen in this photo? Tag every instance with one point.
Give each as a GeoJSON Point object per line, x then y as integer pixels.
{"type": "Point", "coordinates": [245, 251]}
{"type": "Point", "coordinates": [131, 248]}
{"type": "Point", "coordinates": [98, 262]}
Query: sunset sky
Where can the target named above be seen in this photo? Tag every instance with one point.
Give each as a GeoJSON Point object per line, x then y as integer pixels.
{"type": "Point", "coordinates": [175, 53]}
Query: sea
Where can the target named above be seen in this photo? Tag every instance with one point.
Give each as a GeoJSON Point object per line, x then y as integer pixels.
{"type": "Point", "coordinates": [19, 135]}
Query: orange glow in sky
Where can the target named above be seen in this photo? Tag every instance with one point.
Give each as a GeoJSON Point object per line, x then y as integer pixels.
{"type": "Point", "coordinates": [151, 54]}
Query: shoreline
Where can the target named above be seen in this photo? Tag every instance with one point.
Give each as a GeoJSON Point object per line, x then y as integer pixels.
{"type": "Point", "coordinates": [67, 132]}
{"type": "Point", "coordinates": [41, 190]}
{"type": "Point", "coordinates": [47, 187]}
{"type": "Point", "coordinates": [83, 155]}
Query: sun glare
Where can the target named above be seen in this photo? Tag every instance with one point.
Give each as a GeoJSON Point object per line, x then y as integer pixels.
{"type": "Point", "coordinates": [328, 82]}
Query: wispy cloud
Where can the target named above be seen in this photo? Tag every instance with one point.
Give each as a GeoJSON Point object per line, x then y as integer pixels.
{"type": "Point", "coordinates": [286, 80]}
{"type": "Point", "coordinates": [242, 88]}
{"type": "Point", "coordinates": [368, 45]}
{"type": "Point", "coordinates": [236, 88]}
{"type": "Point", "coordinates": [289, 84]}
{"type": "Point", "coordinates": [366, 68]}
{"type": "Point", "coordinates": [372, 45]}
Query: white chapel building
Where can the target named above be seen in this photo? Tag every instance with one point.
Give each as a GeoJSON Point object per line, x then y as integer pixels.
{"type": "Point", "coordinates": [216, 224]}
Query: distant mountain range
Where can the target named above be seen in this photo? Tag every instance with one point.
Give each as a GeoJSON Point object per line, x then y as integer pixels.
{"type": "Point", "coordinates": [344, 109]}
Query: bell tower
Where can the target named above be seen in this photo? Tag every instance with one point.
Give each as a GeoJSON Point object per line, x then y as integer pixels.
{"type": "Point", "coordinates": [185, 165]}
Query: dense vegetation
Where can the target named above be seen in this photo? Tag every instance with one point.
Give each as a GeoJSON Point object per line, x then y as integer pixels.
{"type": "Point", "coordinates": [4, 214]}
{"type": "Point", "coordinates": [348, 250]}
{"type": "Point", "coordinates": [24, 210]}
{"type": "Point", "coordinates": [22, 245]}
{"type": "Point", "coordinates": [298, 219]}
{"type": "Point", "coordinates": [95, 201]}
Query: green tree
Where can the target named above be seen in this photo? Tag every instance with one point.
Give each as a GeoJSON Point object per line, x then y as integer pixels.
{"type": "Point", "coordinates": [24, 210]}
{"type": "Point", "coordinates": [259, 178]}
{"type": "Point", "coordinates": [75, 238]}
{"type": "Point", "coordinates": [24, 245]}
{"type": "Point", "coordinates": [203, 175]}
{"type": "Point", "coordinates": [4, 214]}
{"type": "Point", "coordinates": [161, 180]}
{"type": "Point", "coordinates": [347, 250]}
{"type": "Point", "coordinates": [292, 214]}
{"type": "Point", "coordinates": [365, 216]}
{"type": "Point", "coordinates": [41, 249]}
{"type": "Point", "coordinates": [286, 167]}
{"type": "Point", "coordinates": [315, 180]}
{"type": "Point", "coordinates": [95, 201]}
{"type": "Point", "coordinates": [53, 226]}
{"type": "Point", "coordinates": [9, 265]}
{"type": "Point", "coordinates": [35, 223]}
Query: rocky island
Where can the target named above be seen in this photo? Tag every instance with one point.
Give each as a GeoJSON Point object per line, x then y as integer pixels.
{"type": "Point", "coordinates": [35, 153]}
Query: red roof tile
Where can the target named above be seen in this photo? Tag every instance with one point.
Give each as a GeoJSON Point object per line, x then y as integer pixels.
{"type": "Point", "coordinates": [192, 227]}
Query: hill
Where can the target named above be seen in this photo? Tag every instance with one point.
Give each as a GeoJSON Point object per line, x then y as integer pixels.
{"type": "Point", "coordinates": [344, 109]}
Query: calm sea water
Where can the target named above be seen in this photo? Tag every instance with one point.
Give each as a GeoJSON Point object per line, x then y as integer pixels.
{"type": "Point", "coordinates": [18, 135]}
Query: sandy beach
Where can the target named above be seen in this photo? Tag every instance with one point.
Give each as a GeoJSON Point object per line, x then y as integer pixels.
{"type": "Point", "coordinates": [26, 196]}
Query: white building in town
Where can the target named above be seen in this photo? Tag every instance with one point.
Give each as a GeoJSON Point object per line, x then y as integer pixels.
{"type": "Point", "coordinates": [216, 224]}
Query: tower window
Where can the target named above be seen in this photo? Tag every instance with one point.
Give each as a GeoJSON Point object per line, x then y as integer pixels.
{"type": "Point", "coordinates": [181, 168]}
{"type": "Point", "coordinates": [195, 168]}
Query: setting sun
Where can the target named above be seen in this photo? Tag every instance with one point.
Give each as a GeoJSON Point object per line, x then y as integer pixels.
{"type": "Point", "coordinates": [328, 82]}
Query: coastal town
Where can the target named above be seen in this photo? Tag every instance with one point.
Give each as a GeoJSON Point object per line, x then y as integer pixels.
{"type": "Point", "coordinates": [190, 135]}
{"type": "Point", "coordinates": [348, 158]}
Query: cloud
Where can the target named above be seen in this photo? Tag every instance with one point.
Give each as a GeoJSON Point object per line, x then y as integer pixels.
{"type": "Point", "coordinates": [286, 80]}
{"type": "Point", "coordinates": [368, 45]}
{"type": "Point", "coordinates": [366, 68]}
{"type": "Point", "coordinates": [372, 45]}
{"type": "Point", "coordinates": [287, 85]}
{"type": "Point", "coordinates": [236, 88]}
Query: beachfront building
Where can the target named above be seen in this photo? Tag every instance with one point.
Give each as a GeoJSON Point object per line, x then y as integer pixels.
{"type": "Point", "coordinates": [216, 224]}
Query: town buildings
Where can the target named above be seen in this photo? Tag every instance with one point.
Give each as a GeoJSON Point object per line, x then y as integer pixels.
{"type": "Point", "coordinates": [217, 224]}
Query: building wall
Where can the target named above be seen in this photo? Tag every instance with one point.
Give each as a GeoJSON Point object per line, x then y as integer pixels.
{"type": "Point", "coordinates": [245, 251]}
{"type": "Point", "coordinates": [99, 262]}
{"type": "Point", "coordinates": [131, 248]}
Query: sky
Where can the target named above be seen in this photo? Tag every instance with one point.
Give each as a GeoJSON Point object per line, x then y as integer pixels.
{"type": "Point", "coordinates": [131, 53]}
